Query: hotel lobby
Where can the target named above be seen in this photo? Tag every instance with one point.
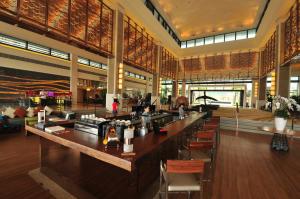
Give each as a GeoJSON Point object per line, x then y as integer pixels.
{"type": "Point", "coordinates": [149, 99]}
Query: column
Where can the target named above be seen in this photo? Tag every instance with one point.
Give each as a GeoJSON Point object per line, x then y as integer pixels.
{"type": "Point", "coordinates": [156, 79]}
{"type": "Point", "coordinates": [175, 83]}
{"type": "Point", "coordinates": [183, 87]}
{"type": "Point", "coordinates": [74, 78]}
{"type": "Point", "coordinates": [283, 72]}
{"type": "Point", "coordinates": [115, 72]}
{"type": "Point", "coordinates": [254, 95]}
{"type": "Point", "coordinates": [262, 85]}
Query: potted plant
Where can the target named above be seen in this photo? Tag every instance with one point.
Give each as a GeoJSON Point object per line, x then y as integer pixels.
{"type": "Point", "coordinates": [283, 106]}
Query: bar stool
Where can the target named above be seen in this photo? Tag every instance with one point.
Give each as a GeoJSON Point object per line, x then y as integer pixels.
{"type": "Point", "coordinates": [181, 176]}
{"type": "Point", "coordinates": [204, 151]}
{"type": "Point", "coordinates": [213, 123]}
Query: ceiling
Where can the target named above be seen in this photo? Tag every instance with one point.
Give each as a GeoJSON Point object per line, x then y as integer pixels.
{"type": "Point", "coordinates": [198, 18]}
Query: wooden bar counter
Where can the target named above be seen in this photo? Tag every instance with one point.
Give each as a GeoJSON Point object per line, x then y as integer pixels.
{"type": "Point", "coordinates": [80, 164]}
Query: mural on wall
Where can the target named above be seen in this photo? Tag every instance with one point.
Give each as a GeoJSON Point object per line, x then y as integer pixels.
{"type": "Point", "coordinates": [15, 83]}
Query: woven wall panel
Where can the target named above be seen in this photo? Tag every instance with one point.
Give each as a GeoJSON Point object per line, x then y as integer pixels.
{"type": "Point", "coordinates": [89, 23]}
{"type": "Point", "coordinates": [139, 47]}
{"type": "Point", "coordinates": [243, 60]}
{"type": "Point", "coordinates": [269, 55]}
{"type": "Point", "coordinates": [291, 33]}
{"type": "Point", "coordinates": [192, 64]}
{"type": "Point", "coordinates": [168, 64]}
{"type": "Point", "coordinates": [58, 15]}
{"type": "Point", "coordinates": [35, 10]}
{"type": "Point", "coordinates": [78, 19]}
{"type": "Point", "coordinates": [9, 5]}
{"type": "Point", "coordinates": [214, 62]}
{"type": "Point", "coordinates": [106, 29]}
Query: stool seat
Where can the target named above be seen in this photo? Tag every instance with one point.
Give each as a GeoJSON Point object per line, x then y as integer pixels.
{"type": "Point", "coordinates": [195, 155]}
{"type": "Point", "coordinates": [183, 182]}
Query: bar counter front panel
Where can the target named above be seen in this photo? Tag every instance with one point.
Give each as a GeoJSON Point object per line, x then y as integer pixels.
{"type": "Point", "coordinates": [80, 164]}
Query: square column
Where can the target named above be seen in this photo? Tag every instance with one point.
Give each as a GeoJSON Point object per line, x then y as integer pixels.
{"type": "Point", "coordinates": [74, 78]}
{"type": "Point", "coordinates": [283, 72]}
{"type": "Point", "coordinates": [156, 79]}
{"type": "Point", "coordinates": [115, 72]}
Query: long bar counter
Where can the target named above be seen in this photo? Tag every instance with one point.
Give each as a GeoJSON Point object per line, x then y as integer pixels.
{"type": "Point", "coordinates": [104, 173]}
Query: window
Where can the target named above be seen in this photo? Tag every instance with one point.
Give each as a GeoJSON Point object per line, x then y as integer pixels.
{"type": "Point", "coordinates": [241, 35]}
{"type": "Point", "coordinates": [251, 33]}
{"type": "Point", "coordinates": [95, 64]}
{"type": "Point", "coordinates": [200, 42]}
{"type": "Point", "coordinates": [38, 48]}
{"type": "Point", "coordinates": [82, 60]}
{"type": "Point", "coordinates": [59, 54]}
{"type": "Point", "coordinates": [104, 66]}
{"type": "Point", "coordinates": [209, 40]}
{"type": "Point", "coordinates": [183, 44]}
{"type": "Point", "coordinates": [294, 78]}
{"type": "Point", "coordinates": [190, 43]}
{"type": "Point", "coordinates": [88, 62]}
{"type": "Point", "coordinates": [230, 37]}
{"type": "Point", "coordinates": [219, 38]}
{"type": "Point", "coordinates": [15, 42]}
{"type": "Point", "coordinates": [12, 41]}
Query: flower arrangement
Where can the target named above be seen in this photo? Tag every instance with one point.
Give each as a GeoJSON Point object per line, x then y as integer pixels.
{"type": "Point", "coordinates": [284, 106]}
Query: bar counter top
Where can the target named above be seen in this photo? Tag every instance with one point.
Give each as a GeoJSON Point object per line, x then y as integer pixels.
{"type": "Point", "coordinates": [92, 145]}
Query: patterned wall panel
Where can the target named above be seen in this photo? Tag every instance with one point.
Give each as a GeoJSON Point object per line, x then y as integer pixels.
{"type": "Point", "coordinates": [106, 29]}
{"type": "Point", "coordinates": [227, 66]}
{"type": "Point", "coordinates": [58, 18]}
{"type": "Point", "coordinates": [192, 64]}
{"type": "Point", "coordinates": [292, 37]}
{"type": "Point", "coordinates": [14, 83]}
{"type": "Point", "coordinates": [88, 23]}
{"type": "Point", "coordinates": [168, 65]}
{"type": "Point", "coordinates": [78, 19]}
{"type": "Point", "coordinates": [34, 10]}
{"type": "Point", "coordinates": [9, 5]}
{"type": "Point", "coordinates": [139, 47]}
{"type": "Point", "coordinates": [269, 55]}
{"type": "Point", "coordinates": [243, 60]}
{"type": "Point", "coordinates": [214, 62]}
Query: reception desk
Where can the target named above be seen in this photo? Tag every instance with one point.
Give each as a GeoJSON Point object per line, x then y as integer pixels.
{"type": "Point", "coordinates": [81, 164]}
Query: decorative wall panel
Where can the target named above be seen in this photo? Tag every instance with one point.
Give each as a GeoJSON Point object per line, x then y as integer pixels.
{"type": "Point", "coordinates": [215, 62]}
{"type": "Point", "coordinates": [243, 60]}
{"type": "Point", "coordinates": [243, 65]}
{"type": "Point", "coordinates": [33, 10]}
{"type": "Point", "coordinates": [268, 62]}
{"type": "Point", "coordinates": [88, 23]}
{"type": "Point", "coordinates": [139, 47]}
{"type": "Point", "coordinates": [168, 65]}
{"type": "Point", "coordinates": [9, 5]}
{"type": "Point", "coordinates": [14, 83]}
{"type": "Point", "coordinates": [58, 15]}
{"type": "Point", "coordinates": [292, 37]}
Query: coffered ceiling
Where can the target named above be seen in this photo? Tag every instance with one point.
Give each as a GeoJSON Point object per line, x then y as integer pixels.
{"type": "Point", "coordinates": [198, 18]}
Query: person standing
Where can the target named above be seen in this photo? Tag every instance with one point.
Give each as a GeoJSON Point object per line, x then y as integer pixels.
{"type": "Point", "coordinates": [115, 107]}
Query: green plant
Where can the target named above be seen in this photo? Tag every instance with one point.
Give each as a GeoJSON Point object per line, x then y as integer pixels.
{"type": "Point", "coordinates": [284, 106]}
{"type": "Point", "coordinates": [282, 113]}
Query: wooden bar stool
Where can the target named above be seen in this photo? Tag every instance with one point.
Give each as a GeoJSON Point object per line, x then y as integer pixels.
{"type": "Point", "coordinates": [214, 123]}
{"type": "Point", "coordinates": [181, 176]}
{"type": "Point", "coordinates": [204, 151]}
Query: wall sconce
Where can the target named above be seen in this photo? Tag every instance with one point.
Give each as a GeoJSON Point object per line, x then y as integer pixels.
{"type": "Point", "coordinates": [120, 77]}
{"type": "Point", "coordinates": [88, 89]}
{"type": "Point", "coordinates": [256, 89]}
{"type": "Point", "coordinates": [159, 85]}
{"type": "Point", "coordinates": [273, 84]}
